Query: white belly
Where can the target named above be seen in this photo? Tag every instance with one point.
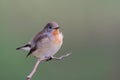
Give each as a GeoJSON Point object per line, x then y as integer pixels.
{"type": "Point", "coordinates": [48, 49]}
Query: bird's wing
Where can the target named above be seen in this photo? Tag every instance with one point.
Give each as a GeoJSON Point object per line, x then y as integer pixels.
{"type": "Point", "coordinates": [34, 43]}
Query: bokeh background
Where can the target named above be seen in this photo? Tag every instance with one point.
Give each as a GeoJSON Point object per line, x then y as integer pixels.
{"type": "Point", "coordinates": [91, 31]}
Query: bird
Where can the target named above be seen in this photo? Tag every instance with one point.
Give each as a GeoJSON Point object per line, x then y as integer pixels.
{"type": "Point", "coordinates": [46, 43]}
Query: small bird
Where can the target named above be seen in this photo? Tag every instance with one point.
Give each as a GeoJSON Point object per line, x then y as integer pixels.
{"type": "Point", "coordinates": [46, 43]}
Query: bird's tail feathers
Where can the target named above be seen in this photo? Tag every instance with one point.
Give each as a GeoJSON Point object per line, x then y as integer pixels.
{"type": "Point", "coordinates": [27, 47]}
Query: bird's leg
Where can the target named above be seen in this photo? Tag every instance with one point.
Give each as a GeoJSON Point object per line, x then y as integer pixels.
{"type": "Point", "coordinates": [49, 58]}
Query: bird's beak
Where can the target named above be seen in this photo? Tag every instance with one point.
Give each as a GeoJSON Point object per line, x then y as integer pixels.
{"type": "Point", "coordinates": [57, 28]}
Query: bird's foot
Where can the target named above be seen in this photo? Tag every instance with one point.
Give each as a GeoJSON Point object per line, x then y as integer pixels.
{"type": "Point", "coordinates": [48, 58]}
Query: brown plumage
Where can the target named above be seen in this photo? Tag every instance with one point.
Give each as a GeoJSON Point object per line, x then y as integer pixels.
{"type": "Point", "coordinates": [45, 43]}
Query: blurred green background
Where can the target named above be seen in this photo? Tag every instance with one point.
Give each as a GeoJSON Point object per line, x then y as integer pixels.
{"type": "Point", "coordinates": [91, 31]}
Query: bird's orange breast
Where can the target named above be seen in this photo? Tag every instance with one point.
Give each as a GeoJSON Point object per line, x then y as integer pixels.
{"type": "Point", "coordinates": [57, 38]}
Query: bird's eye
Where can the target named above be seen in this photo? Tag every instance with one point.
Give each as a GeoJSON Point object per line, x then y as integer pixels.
{"type": "Point", "coordinates": [50, 27]}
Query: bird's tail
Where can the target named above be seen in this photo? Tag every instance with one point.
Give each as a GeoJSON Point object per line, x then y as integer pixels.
{"type": "Point", "coordinates": [27, 47]}
{"type": "Point", "coordinates": [18, 48]}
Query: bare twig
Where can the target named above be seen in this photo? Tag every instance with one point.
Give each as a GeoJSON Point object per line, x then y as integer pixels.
{"type": "Point", "coordinates": [34, 69]}
{"type": "Point", "coordinates": [38, 62]}
{"type": "Point", "coordinates": [61, 57]}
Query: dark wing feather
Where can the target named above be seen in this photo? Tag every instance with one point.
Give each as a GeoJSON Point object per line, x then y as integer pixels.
{"type": "Point", "coordinates": [31, 50]}
{"type": "Point", "coordinates": [35, 41]}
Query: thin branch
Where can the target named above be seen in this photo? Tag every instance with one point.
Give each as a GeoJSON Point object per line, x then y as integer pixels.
{"type": "Point", "coordinates": [61, 57]}
{"type": "Point", "coordinates": [38, 62]}
{"type": "Point", "coordinates": [34, 69]}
